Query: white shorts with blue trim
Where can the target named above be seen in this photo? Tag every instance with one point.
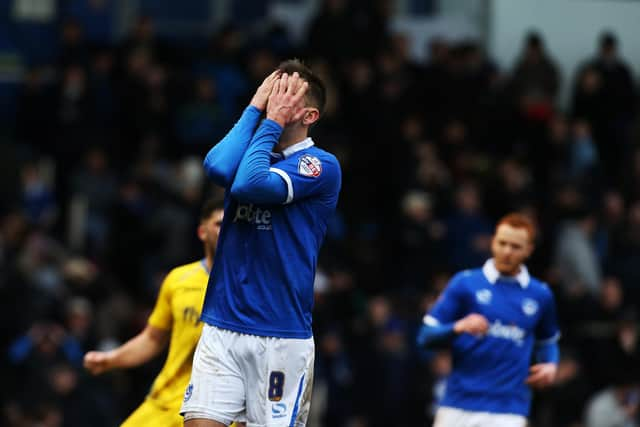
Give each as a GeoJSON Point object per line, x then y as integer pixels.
{"type": "Point", "coordinates": [454, 417]}
{"type": "Point", "coordinates": [263, 380]}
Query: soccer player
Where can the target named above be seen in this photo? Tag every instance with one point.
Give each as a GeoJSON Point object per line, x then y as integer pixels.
{"type": "Point", "coordinates": [174, 320]}
{"type": "Point", "coordinates": [494, 318]}
{"type": "Point", "coordinates": [255, 358]}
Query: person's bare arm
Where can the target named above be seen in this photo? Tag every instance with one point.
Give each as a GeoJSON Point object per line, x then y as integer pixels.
{"type": "Point", "coordinates": [138, 350]}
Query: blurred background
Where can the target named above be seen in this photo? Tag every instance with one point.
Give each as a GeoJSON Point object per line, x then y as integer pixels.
{"type": "Point", "coordinates": [445, 115]}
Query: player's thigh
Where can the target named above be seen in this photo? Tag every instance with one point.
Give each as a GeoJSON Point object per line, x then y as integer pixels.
{"type": "Point", "coordinates": [216, 390]}
{"type": "Point", "coordinates": [451, 417]}
{"type": "Point", "coordinates": [502, 420]}
{"type": "Point", "coordinates": [454, 417]}
{"type": "Point", "coordinates": [150, 415]}
{"type": "Point", "coordinates": [279, 382]}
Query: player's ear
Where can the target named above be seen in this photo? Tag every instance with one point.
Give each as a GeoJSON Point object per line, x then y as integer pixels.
{"type": "Point", "coordinates": [310, 116]}
{"type": "Point", "coordinates": [202, 232]}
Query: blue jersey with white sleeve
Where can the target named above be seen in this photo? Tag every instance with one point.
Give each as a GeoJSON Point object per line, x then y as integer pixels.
{"type": "Point", "coordinates": [489, 372]}
{"type": "Point", "coordinates": [277, 206]}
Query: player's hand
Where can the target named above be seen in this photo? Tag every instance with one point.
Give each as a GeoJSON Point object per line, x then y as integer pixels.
{"type": "Point", "coordinates": [474, 324]}
{"type": "Point", "coordinates": [261, 96]}
{"type": "Point", "coordinates": [97, 362]}
{"type": "Point", "coordinates": [542, 375]}
{"type": "Point", "coordinates": [286, 102]}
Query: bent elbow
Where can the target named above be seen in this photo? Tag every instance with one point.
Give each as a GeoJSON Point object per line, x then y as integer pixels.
{"type": "Point", "coordinates": [215, 170]}
{"type": "Point", "coordinates": [241, 191]}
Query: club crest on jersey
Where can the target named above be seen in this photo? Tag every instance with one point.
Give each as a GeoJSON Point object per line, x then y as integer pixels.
{"type": "Point", "coordinates": [309, 166]}
{"type": "Point", "coordinates": [483, 296]}
{"type": "Point", "coordinates": [529, 306]}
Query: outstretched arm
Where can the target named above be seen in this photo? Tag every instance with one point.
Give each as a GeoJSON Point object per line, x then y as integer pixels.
{"type": "Point", "coordinates": [138, 350]}
{"type": "Point", "coordinates": [221, 162]}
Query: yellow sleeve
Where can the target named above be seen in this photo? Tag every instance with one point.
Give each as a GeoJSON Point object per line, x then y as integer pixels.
{"type": "Point", "coordinates": [161, 316]}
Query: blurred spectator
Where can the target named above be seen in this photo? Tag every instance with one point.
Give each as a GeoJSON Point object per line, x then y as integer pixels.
{"type": "Point", "coordinates": [73, 119]}
{"type": "Point", "coordinates": [535, 81]}
{"type": "Point", "coordinates": [575, 257]}
{"type": "Point", "coordinates": [584, 157]}
{"type": "Point", "coordinates": [608, 101]}
{"type": "Point", "coordinates": [330, 31]}
{"type": "Point", "coordinates": [34, 104]}
{"type": "Point", "coordinates": [144, 40]}
{"type": "Point", "coordinates": [624, 253]}
{"type": "Point", "coordinates": [223, 65]}
{"type": "Point", "coordinates": [94, 187]}
{"type": "Point", "coordinates": [468, 231]}
{"type": "Point", "coordinates": [79, 318]}
{"type": "Point", "coordinates": [38, 200]}
{"type": "Point", "coordinates": [102, 85]}
{"type": "Point", "coordinates": [420, 237]}
{"type": "Point", "coordinates": [613, 407]}
{"type": "Point", "coordinates": [203, 119]}
{"type": "Point", "coordinates": [73, 49]}
{"type": "Point", "coordinates": [334, 367]}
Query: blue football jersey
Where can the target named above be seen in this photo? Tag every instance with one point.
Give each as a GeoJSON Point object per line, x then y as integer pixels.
{"type": "Point", "coordinates": [489, 373]}
{"type": "Point", "coordinates": [276, 214]}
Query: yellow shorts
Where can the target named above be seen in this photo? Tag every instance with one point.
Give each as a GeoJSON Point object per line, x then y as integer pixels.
{"type": "Point", "coordinates": [151, 415]}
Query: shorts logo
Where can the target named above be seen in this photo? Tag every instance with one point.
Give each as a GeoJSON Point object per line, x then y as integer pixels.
{"type": "Point", "coordinates": [278, 410]}
{"type": "Point", "coordinates": [529, 306]}
{"type": "Point", "coordinates": [483, 296]}
{"type": "Point", "coordinates": [309, 166]}
{"type": "Point", "coordinates": [188, 392]}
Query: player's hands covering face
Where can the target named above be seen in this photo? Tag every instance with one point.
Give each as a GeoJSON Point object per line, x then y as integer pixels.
{"type": "Point", "coordinates": [286, 102]}
{"type": "Point", "coordinates": [261, 97]}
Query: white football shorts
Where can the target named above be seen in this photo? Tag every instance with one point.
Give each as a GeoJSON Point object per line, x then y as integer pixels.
{"type": "Point", "coordinates": [264, 381]}
{"type": "Point", "coordinates": [454, 417]}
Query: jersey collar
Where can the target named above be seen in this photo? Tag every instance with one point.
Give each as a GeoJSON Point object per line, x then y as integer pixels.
{"type": "Point", "coordinates": [305, 143]}
{"type": "Point", "coordinates": [203, 264]}
{"type": "Point", "coordinates": [492, 274]}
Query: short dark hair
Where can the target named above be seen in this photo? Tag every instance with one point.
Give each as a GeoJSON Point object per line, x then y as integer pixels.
{"type": "Point", "coordinates": [317, 93]}
{"type": "Point", "coordinates": [209, 207]}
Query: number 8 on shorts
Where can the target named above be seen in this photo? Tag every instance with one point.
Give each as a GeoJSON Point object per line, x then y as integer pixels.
{"type": "Point", "coordinates": [276, 386]}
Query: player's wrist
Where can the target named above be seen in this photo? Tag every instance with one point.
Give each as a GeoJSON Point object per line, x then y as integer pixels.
{"type": "Point", "coordinates": [258, 105]}
{"type": "Point", "coordinates": [458, 327]}
{"type": "Point", "coordinates": [110, 360]}
{"type": "Point", "coordinates": [277, 119]}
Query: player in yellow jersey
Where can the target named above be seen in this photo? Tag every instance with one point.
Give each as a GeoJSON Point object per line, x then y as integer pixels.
{"type": "Point", "coordinates": [175, 320]}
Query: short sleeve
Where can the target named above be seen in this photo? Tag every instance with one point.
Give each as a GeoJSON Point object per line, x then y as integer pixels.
{"type": "Point", "coordinates": [161, 316]}
{"type": "Point", "coordinates": [310, 174]}
{"type": "Point", "coordinates": [547, 330]}
{"type": "Point", "coordinates": [451, 304]}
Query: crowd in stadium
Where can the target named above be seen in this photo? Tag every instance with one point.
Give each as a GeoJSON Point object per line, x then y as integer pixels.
{"type": "Point", "coordinates": [103, 181]}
